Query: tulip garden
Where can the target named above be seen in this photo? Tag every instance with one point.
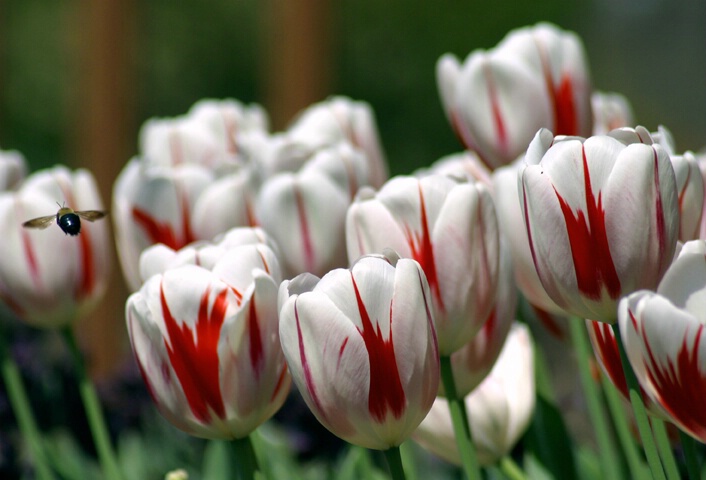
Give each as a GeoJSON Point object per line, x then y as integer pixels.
{"type": "Point", "coordinates": [531, 306]}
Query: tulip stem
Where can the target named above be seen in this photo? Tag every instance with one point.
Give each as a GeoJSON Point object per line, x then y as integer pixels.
{"type": "Point", "coordinates": [511, 469]}
{"type": "Point", "coordinates": [692, 462]}
{"type": "Point", "coordinates": [625, 436]}
{"type": "Point", "coordinates": [245, 458]}
{"type": "Point", "coordinates": [638, 408]}
{"type": "Point", "coordinates": [594, 402]}
{"type": "Point", "coordinates": [23, 412]}
{"type": "Point", "coordinates": [459, 417]}
{"type": "Point", "coordinates": [665, 449]}
{"type": "Point", "coordinates": [394, 461]}
{"type": "Point", "coordinates": [94, 412]}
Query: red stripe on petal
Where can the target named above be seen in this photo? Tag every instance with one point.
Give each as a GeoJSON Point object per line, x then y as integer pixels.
{"type": "Point", "coordinates": [606, 348]}
{"type": "Point", "coordinates": [162, 232]}
{"type": "Point", "coordinates": [194, 355]}
{"type": "Point", "coordinates": [257, 356]}
{"type": "Point", "coordinates": [31, 258]}
{"type": "Point", "coordinates": [385, 392]}
{"type": "Point", "coordinates": [307, 246]}
{"type": "Point", "coordinates": [280, 383]}
{"type": "Point", "coordinates": [659, 212]}
{"type": "Point", "coordinates": [681, 385]}
{"type": "Point", "coordinates": [306, 370]}
{"type": "Point", "coordinates": [593, 263]}
{"type": "Point", "coordinates": [423, 252]}
{"type": "Point", "coordinates": [565, 117]}
{"type": "Point", "coordinates": [88, 270]}
{"type": "Point", "coordinates": [501, 140]}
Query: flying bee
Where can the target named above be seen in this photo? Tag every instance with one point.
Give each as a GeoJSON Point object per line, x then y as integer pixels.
{"type": "Point", "coordinates": [69, 220]}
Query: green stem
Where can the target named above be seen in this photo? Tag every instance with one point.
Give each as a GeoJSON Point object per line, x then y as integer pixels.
{"type": "Point", "coordinates": [94, 412]}
{"type": "Point", "coordinates": [245, 459]}
{"type": "Point", "coordinates": [459, 417]}
{"type": "Point", "coordinates": [408, 460]}
{"type": "Point", "coordinates": [394, 461]}
{"type": "Point", "coordinates": [622, 428]}
{"type": "Point", "coordinates": [596, 409]}
{"type": "Point", "coordinates": [511, 469]}
{"type": "Point", "coordinates": [23, 412]}
{"type": "Point", "coordinates": [692, 461]}
{"type": "Point", "coordinates": [638, 407]}
{"type": "Point", "coordinates": [665, 449]}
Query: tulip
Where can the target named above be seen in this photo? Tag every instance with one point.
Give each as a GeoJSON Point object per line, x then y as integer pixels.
{"type": "Point", "coordinates": [361, 348]}
{"type": "Point", "coordinates": [207, 135]}
{"type": "Point", "coordinates": [205, 336]}
{"type": "Point", "coordinates": [509, 212]}
{"type": "Point", "coordinates": [466, 165]}
{"type": "Point", "coordinates": [602, 219]}
{"type": "Point", "coordinates": [305, 211]}
{"type": "Point", "coordinates": [46, 277]}
{"type": "Point", "coordinates": [13, 169]}
{"type": "Point", "coordinates": [499, 409]}
{"type": "Point", "coordinates": [472, 362]}
{"type": "Point", "coordinates": [340, 118]}
{"type": "Point", "coordinates": [537, 77]}
{"type": "Point", "coordinates": [449, 227]}
{"type": "Point", "coordinates": [610, 111]}
{"type": "Point", "coordinates": [663, 332]}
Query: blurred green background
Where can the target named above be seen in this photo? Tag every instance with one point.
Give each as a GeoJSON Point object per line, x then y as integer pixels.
{"type": "Point", "coordinates": [382, 52]}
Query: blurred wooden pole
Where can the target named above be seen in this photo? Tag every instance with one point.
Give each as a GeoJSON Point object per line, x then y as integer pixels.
{"type": "Point", "coordinates": [103, 141]}
{"type": "Point", "coordinates": [296, 58]}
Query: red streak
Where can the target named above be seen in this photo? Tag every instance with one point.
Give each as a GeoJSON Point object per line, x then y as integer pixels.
{"type": "Point", "coordinates": [385, 391]}
{"type": "Point", "coordinates": [681, 386]}
{"type": "Point", "coordinates": [194, 358]}
{"type": "Point", "coordinates": [593, 263]}
{"type": "Point", "coordinates": [308, 377]}
{"type": "Point", "coordinates": [423, 252]}
{"type": "Point", "coordinates": [304, 230]}
{"type": "Point", "coordinates": [561, 96]}
{"type": "Point", "coordinates": [498, 122]}
{"type": "Point", "coordinates": [257, 356]}
{"type": "Point", "coordinates": [88, 270]}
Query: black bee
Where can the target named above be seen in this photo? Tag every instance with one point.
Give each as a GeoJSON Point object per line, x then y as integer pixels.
{"type": "Point", "coordinates": [69, 220]}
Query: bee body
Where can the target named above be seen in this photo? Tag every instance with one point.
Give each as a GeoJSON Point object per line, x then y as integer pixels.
{"type": "Point", "coordinates": [69, 220]}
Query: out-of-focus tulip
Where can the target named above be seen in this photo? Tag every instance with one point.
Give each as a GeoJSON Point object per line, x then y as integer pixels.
{"type": "Point", "coordinates": [664, 339]}
{"type": "Point", "coordinates": [537, 77]}
{"type": "Point", "coordinates": [449, 227]}
{"type": "Point", "coordinates": [13, 169]}
{"type": "Point", "coordinates": [205, 335]}
{"type": "Point", "coordinates": [610, 111]}
{"type": "Point", "coordinates": [499, 409]}
{"type": "Point", "coordinates": [48, 278]}
{"type": "Point", "coordinates": [472, 362]}
{"type": "Point", "coordinates": [340, 118]}
{"type": "Point", "coordinates": [460, 165]}
{"type": "Point", "coordinates": [207, 135]}
{"type": "Point", "coordinates": [602, 219]}
{"type": "Point", "coordinates": [189, 182]}
{"type": "Point", "coordinates": [361, 348]}
{"type": "Point", "coordinates": [305, 211]}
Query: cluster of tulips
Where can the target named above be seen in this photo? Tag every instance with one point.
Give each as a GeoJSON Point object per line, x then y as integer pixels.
{"type": "Point", "coordinates": [258, 258]}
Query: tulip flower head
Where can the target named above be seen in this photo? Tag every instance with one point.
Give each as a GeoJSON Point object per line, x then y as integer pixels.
{"type": "Point", "coordinates": [602, 219]}
{"type": "Point", "coordinates": [496, 100]}
{"type": "Point", "coordinates": [447, 225]}
{"type": "Point", "coordinates": [665, 339]}
{"type": "Point", "coordinates": [49, 278]}
{"type": "Point", "coordinates": [205, 335]}
{"type": "Point", "coordinates": [361, 348]}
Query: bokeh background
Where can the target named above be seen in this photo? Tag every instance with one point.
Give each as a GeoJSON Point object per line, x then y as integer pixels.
{"type": "Point", "coordinates": [78, 77]}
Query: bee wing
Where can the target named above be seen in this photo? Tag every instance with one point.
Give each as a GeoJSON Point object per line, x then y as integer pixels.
{"type": "Point", "coordinates": [91, 215]}
{"type": "Point", "coordinates": [40, 222]}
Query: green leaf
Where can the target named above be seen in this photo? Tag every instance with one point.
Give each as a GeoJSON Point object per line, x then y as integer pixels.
{"type": "Point", "coordinates": [550, 443]}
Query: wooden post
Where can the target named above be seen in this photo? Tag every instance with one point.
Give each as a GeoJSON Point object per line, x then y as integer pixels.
{"type": "Point", "coordinates": [104, 138]}
{"type": "Point", "coordinates": [296, 56]}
